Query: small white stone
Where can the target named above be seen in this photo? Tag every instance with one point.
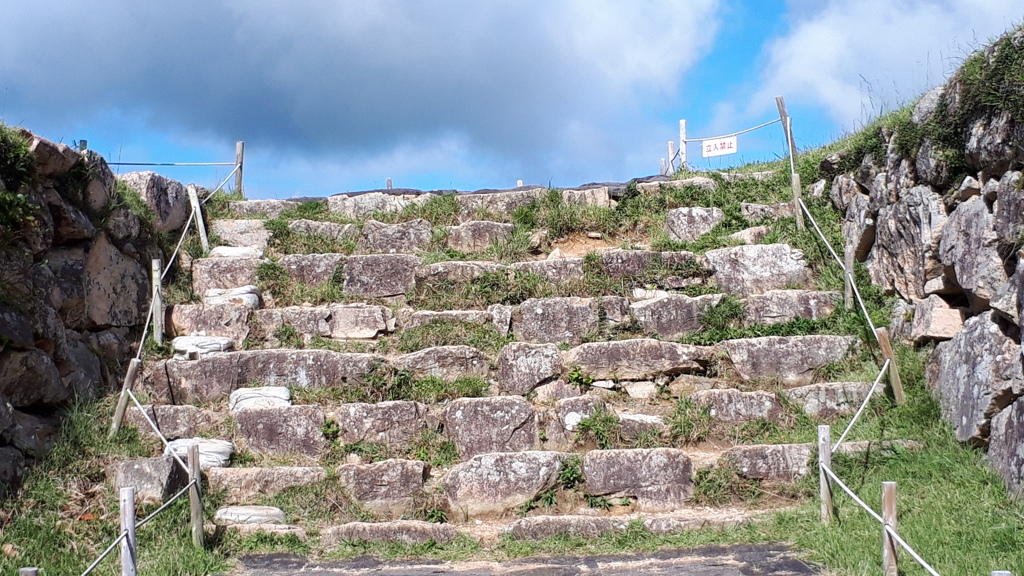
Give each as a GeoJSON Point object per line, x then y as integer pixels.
{"type": "Point", "coordinates": [185, 345]}
{"type": "Point", "coordinates": [606, 384]}
{"type": "Point", "coordinates": [249, 515]}
{"type": "Point", "coordinates": [644, 390]}
{"type": "Point", "coordinates": [259, 397]}
{"type": "Point", "coordinates": [212, 452]}
{"type": "Point", "coordinates": [572, 420]}
{"type": "Point", "coordinates": [236, 252]}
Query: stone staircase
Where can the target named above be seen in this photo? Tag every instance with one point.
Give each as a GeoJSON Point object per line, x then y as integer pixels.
{"type": "Point", "coordinates": [532, 397]}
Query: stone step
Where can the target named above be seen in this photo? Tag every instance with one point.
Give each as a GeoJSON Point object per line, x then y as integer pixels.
{"type": "Point", "coordinates": [537, 320]}
{"type": "Point", "coordinates": [362, 205]}
{"type": "Point", "coordinates": [742, 270]}
{"type": "Point", "coordinates": [634, 365]}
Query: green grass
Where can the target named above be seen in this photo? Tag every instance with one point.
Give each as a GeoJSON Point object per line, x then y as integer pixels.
{"type": "Point", "coordinates": [483, 337]}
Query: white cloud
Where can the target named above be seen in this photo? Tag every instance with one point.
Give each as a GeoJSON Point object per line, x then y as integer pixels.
{"type": "Point", "coordinates": [856, 58]}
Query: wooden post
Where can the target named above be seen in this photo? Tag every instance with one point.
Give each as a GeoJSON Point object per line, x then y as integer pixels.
{"type": "Point", "coordinates": [664, 169]}
{"type": "Point", "coordinates": [128, 549]}
{"type": "Point", "coordinates": [824, 482]}
{"type": "Point", "coordinates": [671, 156]}
{"type": "Point", "coordinates": [239, 162]}
{"type": "Point", "coordinates": [158, 305]}
{"type": "Point", "coordinates": [1002, 573]}
{"type": "Point", "coordinates": [787, 127]}
{"type": "Point", "coordinates": [195, 498]}
{"type": "Point", "coordinates": [848, 276]}
{"type": "Point", "coordinates": [519, 183]}
{"type": "Point", "coordinates": [889, 565]}
{"type": "Point", "coordinates": [894, 373]}
{"type": "Point", "coordinates": [122, 402]}
{"type": "Point", "coordinates": [197, 209]}
{"type": "Point", "coordinates": [32, 571]}
{"type": "Point", "coordinates": [682, 144]}
{"type": "Point", "coordinates": [387, 183]}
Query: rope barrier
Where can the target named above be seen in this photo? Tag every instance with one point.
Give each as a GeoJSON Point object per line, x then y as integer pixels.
{"type": "Point", "coordinates": [863, 405]}
{"type": "Point", "coordinates": [734, 133]}
{"type": "Point", "coordinates": [170, 163]}
{"type": "Point", "coordinates": [842, 267]}
{"type": "Point", "coordinates": [156, 430]}
{"type": "Point", "coordinates": [166, 504]}
{"type": "Point", "coordinates": [910, 550]}
{"type": "Point", "coordinates": [109, 549]}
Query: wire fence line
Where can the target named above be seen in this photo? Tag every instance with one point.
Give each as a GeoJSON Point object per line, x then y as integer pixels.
{"type": "Point", "coordinates": [824, 464]}
{"type": "Point", "coordinates": [194, 487]}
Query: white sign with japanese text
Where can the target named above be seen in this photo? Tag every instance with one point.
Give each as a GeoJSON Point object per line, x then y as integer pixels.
{"type": "Point", "coordinates": [718, 147]}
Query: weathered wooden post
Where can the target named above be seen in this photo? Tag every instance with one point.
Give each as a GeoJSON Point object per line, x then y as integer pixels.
{"type": "Point", "coordinates": [664, 169]}
{"type": "Point", "coordinates": [158, 305]}
{"type": "Point", "coordinates": [825, 462]}
{"type": "Point", "coordinates": [239, 162]}
{"type": "Point", "coordinates": [889, 565]}
{"type": "Point", "coordinates": [122, 401]}
{"type": "Point", "coordinates": [519, 183]}
{"type": "Point", "coordinates": [894, 374]}
{"type": "Point", "coordinates": [387, 183]}
{"type": "Point", "coordinates": [787, 127]}
{"type": "Point", "coordinates": [195, 498]}
{"type": "Point", "coordinates": [682, 144]}
{"type": "Point", "coordinates": [671, 156]}
{"type": "Point", "coordinates": [128, 544]}
{"type": "Point", "coordinates": [33, 571]}
{"type": "Point", "coordinates": [197, 211]}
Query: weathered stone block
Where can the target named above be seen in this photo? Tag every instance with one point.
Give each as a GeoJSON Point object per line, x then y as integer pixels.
{"type": "Point", "coordinates": [733, 407]}
{"type": "Point", "coordinates": [380, 275]}
{"type": "Point", "coordinates": [477, 235]}
{"type": "Point", "coordinates": [757, 268]}
{"type": "Point", "coordinates": [445, 362]}
{"type": "Point", "coordinates": [659, 478]}
{"type": "Point", "coordinates": [690, 223]}
{"type": "Point", "coordinates": [244, 484]}
{"type": "Point", "coordinates": [636, 359]}
{"type": "Point", "coordinates": [154, 479]}
{"type": "Point", "coordinates": [491, 484]}
{"type": "Point", "coordinates": [674, 315]}
{"type": "Point", "coordinates": [553, 320]}
{"type": "Point", "coordinates": [396, 424]}
{"type": "Point", "coordinates": [386, 488]}
{"type": "Point", "coordinates": [770, 462]}
{"type": "Point", "coordinates": [792, 359]}
{"type": "Point", "coordinates": [482, 425]}
{"type": "Point", "coordinates": [282, 430]}
{"type": "Point", "coordinates": [522, 366]}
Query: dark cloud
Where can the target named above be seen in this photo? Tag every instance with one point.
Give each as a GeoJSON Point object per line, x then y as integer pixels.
{"type": "Point", "coordinates": [519, 79]}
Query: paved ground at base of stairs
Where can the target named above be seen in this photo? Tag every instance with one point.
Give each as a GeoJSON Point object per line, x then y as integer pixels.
{"type": "Point", "coordinates": [745, 560]}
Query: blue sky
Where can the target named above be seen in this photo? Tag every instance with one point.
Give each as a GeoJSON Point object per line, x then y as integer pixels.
{"type": "Point", "coordinates": [335, 96]}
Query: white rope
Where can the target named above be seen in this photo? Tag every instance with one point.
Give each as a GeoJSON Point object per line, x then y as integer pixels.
{"type": "Point", "coordinates": [734, 133]}
{"type": "Point", "coordinates": [864, 405]}
{"type": "Point", "coordinates": [846, 489]}
{"type": "Point", "coordinates": [105, 552]}
{"type": "Point", "coordinates": [842, 267]}
{"type": "Point", "coordinates": [184, 233]}
{"type": "Point", "coordinates": [907, 547]}
{"type": "Point", "coordinates": [221, 185]}
{"type": "Point", "coordinates": [155, 429]}
{"type": "Point", "coordinates": [171, 163]}
{"type": "Point", "coordinates": [166, 504]}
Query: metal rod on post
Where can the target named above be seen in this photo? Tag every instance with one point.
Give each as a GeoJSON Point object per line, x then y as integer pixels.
{"type": "Point", "coordinates": [682, 144]}
{"type": "Point", "coordinates": [787, 127]}
{"type": "Point", "coordinates": [197, 211]}
{"type": "Point", "coordinates": [239, 161]}
{"type": "Point", "coordinates": [128, 548]}
{"type": "Point", "coordinates": [671, 156]}
{"type": "Point", "coordinates": [889, 563]}
{"type": "Point", "coordinates": [122, 401]}
{"type": "Point", "coordinates": [824, 482]}
{"type": "Point", "coordinates": [158, 305]}
{"type": "Point", "coordinates": [195, 497]}
{"type": "Point", "coordinates": [894, 374]}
